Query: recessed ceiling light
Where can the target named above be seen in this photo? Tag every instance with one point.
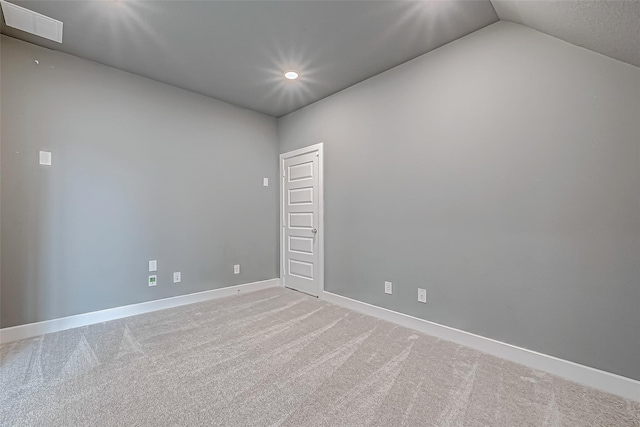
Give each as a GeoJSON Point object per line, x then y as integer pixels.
{"type": "Point", "coordinates": [291, 75]}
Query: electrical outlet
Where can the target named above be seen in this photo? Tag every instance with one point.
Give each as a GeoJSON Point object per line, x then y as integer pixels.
{"type": "Point", "coordinates": [265, 182]}
{"type": "Point", "coordinates": [422, 295]}
{"type": "Point", "coordinates": [153, 265]}
{"type": "Point", "coordinates": [388, 287]}
{"type": "Point", "coordinates": [236, 269]}
{"type": "Point", "coordinates": [176, 277]}
{"type": "Point", "coordinates": [153, 279]}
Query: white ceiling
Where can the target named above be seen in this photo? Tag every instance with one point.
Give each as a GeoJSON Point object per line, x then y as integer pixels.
{"type": "Point", "coordinates": [236, 50]}
{"type": "Point", "coordinates": [611, 28]}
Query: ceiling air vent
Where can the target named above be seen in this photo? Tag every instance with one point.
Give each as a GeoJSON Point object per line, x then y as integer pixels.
{"type": "Point", "coordinates": [31, 22]}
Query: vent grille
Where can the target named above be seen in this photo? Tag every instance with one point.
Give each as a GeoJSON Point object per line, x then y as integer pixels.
{"type": "Point", "coordinates": [35, 23]}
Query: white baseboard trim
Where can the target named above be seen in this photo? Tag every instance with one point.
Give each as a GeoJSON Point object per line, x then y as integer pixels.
{"type": "Point", "coordinates": [590, 377]}
{"type": "Point", "coordinates": [29, 330]}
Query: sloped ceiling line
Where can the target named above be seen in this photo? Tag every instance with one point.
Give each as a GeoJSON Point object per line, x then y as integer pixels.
{"type": "Point", "coordinates": [241, 48]}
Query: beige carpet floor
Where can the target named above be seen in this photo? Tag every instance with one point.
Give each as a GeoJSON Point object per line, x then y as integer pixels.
{"type": "Point", "coordinates": [279, 358]}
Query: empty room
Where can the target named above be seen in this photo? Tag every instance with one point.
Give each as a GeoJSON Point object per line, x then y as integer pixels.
{"type": "Point", "coordinates": [320, 213]}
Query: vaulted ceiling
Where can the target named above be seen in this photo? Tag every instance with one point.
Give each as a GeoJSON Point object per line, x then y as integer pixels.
{"type": "Point", "coordinates": [611, 28]}
{"type": "Point", "coordinates": [236, 51]}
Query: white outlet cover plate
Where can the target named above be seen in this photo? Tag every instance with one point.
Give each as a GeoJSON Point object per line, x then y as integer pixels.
{"type": "Point", "coordinates": [265, 182]}
{"type": "Point", "coordinates": [153, 280]}
{"type": "Point", "coordinates": [177, 278]}
{"type": "Point", "coordinates": [153, 265]}
{"type": "Point", "coordinates": [422, 295]}
{"type": "Point", "coordinates": [236, 269]}
{"type": "Point", "coordinates": [45, 158]}
{"type": "Point", "coordinates": [388, 287]}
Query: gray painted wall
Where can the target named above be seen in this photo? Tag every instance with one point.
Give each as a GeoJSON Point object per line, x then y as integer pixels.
{"type": "Point", "coordinates": [141, 171]}
{"type": "Point", "coordinates": [501, 173]}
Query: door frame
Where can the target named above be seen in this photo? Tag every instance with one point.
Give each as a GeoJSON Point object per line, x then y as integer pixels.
{"type": "Point", "coordinates": [320, 235]}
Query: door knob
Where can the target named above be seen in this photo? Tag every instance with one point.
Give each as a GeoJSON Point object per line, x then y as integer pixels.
{"type": "Point", "coordinates": [314, 231]}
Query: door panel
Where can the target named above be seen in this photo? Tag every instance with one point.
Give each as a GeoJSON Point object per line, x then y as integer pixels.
{"type": "Point", "coordinates": [301, 220]}
{"type": "Point", "coordinates": [300, 223]}
{"type": "Point", "coordinates": [302, 245]}
{"type": "Point", "coordinates": [301, 171]}
{"type": "Point", "coordinates": [301, 269]}
{"type": "Point", "coordinates": [301, 196]}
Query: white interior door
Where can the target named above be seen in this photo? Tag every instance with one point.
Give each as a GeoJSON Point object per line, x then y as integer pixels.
{"type": "Point", "coordinates": [301, 237]}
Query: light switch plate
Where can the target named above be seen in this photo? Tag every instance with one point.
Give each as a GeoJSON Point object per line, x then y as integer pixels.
{"type": "Point", "coordinates": [388, 287]}
{"type": "Point", "coordinates": [153, 280]}
{"type": "Point", "coordinates": [236, 269]}
{"type": "Point", "coordinates": [265, 182]}
{"type": "Point", "coordinates": [177, 278]}
{"type": "Point", "coordinates": [153, 265]}
{"type": "Point", "coordinates": [422, 295]}
{"type": "Point", "coordinates": [45, 158]}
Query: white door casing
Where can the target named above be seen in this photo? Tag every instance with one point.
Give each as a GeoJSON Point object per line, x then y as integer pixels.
{"type": "Point", "coordinates": [302, 228]}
